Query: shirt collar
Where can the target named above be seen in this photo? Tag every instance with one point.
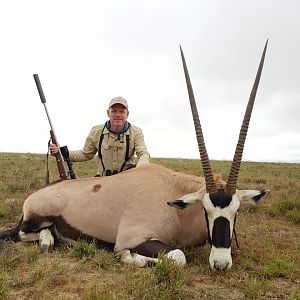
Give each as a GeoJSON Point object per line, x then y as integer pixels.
{"type": "Point", "coordinates": [122, 131]}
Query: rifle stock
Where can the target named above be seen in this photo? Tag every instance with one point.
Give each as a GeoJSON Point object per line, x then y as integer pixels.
{"type": "Point", "coordinates": [59, 159]}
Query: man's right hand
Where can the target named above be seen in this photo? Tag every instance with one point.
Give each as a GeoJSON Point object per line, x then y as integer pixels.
{"type": "Point", "coordinates": [53, 149]}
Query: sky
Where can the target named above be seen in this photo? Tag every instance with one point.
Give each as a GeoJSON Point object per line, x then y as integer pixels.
{"type": "Point", "coordinates": [86, 52]}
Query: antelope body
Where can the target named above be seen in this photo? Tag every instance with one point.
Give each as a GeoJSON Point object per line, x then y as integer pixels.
{"type": "Point", "coordinates": [133, 212]}
{"type": "Point", "coordinates": [124, 210]}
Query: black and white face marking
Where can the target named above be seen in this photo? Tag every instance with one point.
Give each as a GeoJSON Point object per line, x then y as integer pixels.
{"type": "Point", "coordinates": [221, 237]}
{"type": "Point", "coordinates": [221, 209]}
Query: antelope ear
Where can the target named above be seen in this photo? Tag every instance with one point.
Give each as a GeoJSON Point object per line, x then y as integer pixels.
{"type": "Point", "coordinates": [252, 195]}
{"type": "Point", "coordinates": [186, 200]}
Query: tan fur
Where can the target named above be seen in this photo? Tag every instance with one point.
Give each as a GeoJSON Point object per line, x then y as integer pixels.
{"type": "Point", "coordinates": [128, 208]}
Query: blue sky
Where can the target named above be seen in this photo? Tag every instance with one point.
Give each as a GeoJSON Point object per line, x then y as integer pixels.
{"type": "Point", "coordinates": [87, 52]}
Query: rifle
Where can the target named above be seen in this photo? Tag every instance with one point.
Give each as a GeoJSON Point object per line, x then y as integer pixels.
{"type": "Point", "coordinates": [63, 151]}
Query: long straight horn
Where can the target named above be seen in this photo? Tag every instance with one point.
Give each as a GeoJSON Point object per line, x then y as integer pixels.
{"type": "Point", "coordinates": [208, 175]}
{"type": "Point", "coordinates": [235, 167]}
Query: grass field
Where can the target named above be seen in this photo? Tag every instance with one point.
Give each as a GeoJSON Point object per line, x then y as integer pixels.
{"type": "Point", "coordinates": [266, 266]}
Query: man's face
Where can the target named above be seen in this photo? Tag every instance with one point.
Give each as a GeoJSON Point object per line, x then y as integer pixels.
{"type": "Point", "coordinates": [117, 114]}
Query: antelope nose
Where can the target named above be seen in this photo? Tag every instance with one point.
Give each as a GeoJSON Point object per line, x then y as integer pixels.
{"type": "Point", "coordinates": [220, 266]}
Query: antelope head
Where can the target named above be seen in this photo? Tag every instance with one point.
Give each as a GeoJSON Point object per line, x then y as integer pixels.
{"type": "Point", "coordinates": [221, 204]}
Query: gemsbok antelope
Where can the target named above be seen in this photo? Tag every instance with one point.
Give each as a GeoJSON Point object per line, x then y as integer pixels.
{"type": "Point", "coordinates": [133, 212]}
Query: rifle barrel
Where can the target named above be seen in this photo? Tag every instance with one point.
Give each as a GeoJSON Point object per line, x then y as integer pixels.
{"type": "Point", "coordinates": [58, 156]}
{"type": "Point", "coordinates": [39, 87]}
{"type": "Point", "coordinates": [43, 100]}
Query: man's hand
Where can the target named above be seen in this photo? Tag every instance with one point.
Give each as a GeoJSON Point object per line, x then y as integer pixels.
{"type": "Point", "coordinates": [53, 149]}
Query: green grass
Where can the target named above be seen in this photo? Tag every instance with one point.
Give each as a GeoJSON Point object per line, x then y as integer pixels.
{"type": "Point", "coordinates": [83, 250]}
{"type": "Point", "coordinates": [5, 281]}
{"type": "Point", "coordinates": [288, 208]}
{"type": "Point", "coordinates": [266, 266]}
{"type": "Point", "coordinates": [278, 268]}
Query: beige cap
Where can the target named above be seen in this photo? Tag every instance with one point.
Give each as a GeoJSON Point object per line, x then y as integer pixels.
{"type": "Point", "coordinates": [119, 100]}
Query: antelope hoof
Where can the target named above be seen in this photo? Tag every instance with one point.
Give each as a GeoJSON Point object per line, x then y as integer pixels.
{"type": "Point", "coordinates": [46, 241]}
{"type": "Point", "coordinates": [45, 248]}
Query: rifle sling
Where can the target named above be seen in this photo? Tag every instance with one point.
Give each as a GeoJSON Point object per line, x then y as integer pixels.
{"type": "Point", "coordinates": [47, 178]}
